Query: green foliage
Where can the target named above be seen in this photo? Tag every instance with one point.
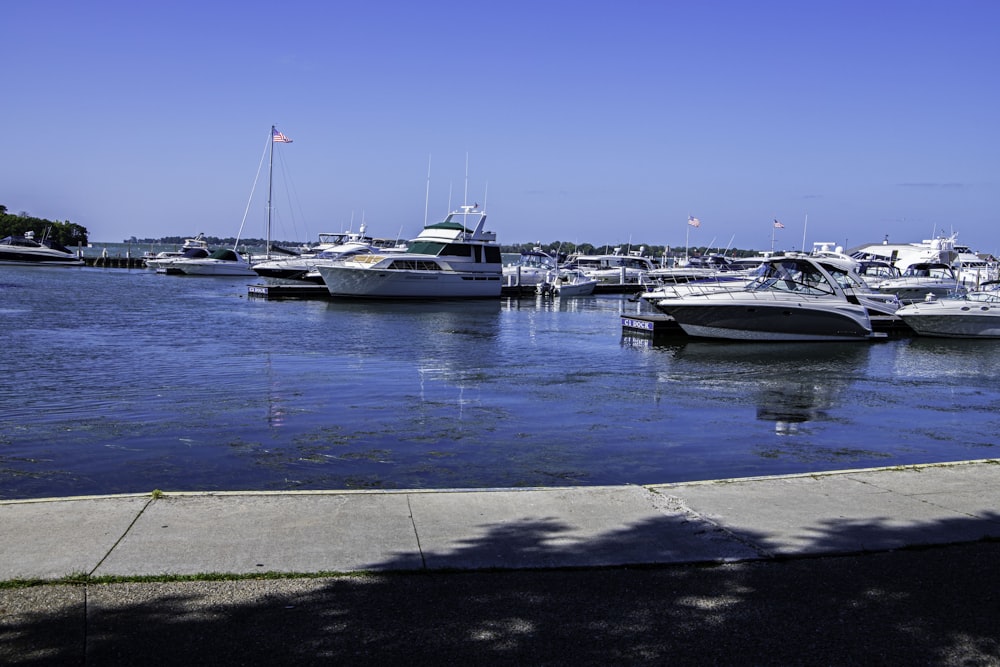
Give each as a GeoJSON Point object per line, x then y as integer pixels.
{"type": "Point", "coordinates": [65, 233]}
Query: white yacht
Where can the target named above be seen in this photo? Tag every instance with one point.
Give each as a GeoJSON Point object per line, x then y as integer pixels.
{"type": "Point", "coordinates": [456, 258]}
{"type": "Point", "coordinates": [25, 250]}
{"type": "Point", "coordinates": [191, 248]}
{"type": "Point", "coordinates": [921, 279]}
{"type": "Point", "coordinates": [794, 298]}
{"type": "Point", "coordinates": [531, 268]}
{"type": "Point", "coordinates": [331, 246]}
{"type": "Point", "coordinates": [615, 268]}
{"type": "Point", "coordinates": [222, 262]}
{"type": "Point", "coordinates": [975, 315]}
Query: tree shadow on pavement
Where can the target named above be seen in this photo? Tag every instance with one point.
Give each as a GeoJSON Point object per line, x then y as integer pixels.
{"type": "Point", "coordinates": [932, 605]}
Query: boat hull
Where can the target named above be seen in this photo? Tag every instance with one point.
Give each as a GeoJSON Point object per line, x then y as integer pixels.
{"type": "Point", "coordinates": [772, 322]}
{"type": "Point", "coordinates": [213, 269]}
{"type": "Point", "coordinates": [953, 319]}
{"type": "Point", "coordinates": [374, 283]}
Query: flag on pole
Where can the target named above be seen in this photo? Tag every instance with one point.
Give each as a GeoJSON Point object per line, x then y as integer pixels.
{"type": "Point", "coordinates": [694, 222]}
{"type": "Point", "coordinates": [778, 225]}
{"type": "Point", "coordinates": [279, 137]}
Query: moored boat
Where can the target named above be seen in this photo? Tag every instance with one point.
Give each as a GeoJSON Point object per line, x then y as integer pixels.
{"type": "Point", "coordinates": [794, 297]}
{"type": "Point", "coordinates": [25, 250]}
{"type": "Point", "coordinates": [975, 315]}
{"type": "Point", "coordinates": [455, 258]}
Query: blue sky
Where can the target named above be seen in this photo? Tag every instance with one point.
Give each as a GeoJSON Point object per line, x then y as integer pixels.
{"type": "Point", "coordinates": [606, 123]}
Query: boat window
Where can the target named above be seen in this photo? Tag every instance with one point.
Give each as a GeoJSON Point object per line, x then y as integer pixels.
{"type": "Point", "coordinates": [492, 254]}
{"type": "Point", "coordinates": [413, 265]}
{"type": "Point", "coordinates": [426, 247]}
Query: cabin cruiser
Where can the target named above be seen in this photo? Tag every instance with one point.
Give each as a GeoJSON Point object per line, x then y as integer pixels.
{"type": "Point", "coordinates": [794, 298]}
{"type": "Point", "coordinates": [615, 268]}
{"type": "Point", "coordinates": [193, 247]}
{"type": "Point", "coordinates": [301, 268]}
{"type": "Point", "coordinates": [531, 268]}
{"type": "Point", "coordinates": [455, 258]}
{"type": "Point", "coordinates": [974, 315]}
{"type": "Point", "coordinates": [222, 262]}
{"type": "Point", "coordinates": [694, 268]}
{"type": "Point", "coordinates": [25, 250]}
{"type": "Point", "coordinates": [922, 279]}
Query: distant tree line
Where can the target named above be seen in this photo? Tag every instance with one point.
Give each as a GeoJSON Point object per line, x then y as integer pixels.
{"type": "Point", "coordinates": [647, 250]}
{"type": "Point", "coordinates": [66, 233]}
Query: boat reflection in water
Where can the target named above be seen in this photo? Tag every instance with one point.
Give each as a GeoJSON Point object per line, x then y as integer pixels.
{"type": "Point", "coordinates": [791, 384]}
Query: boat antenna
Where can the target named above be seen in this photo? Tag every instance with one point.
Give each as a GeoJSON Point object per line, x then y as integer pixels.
{"type": "Point", "coordinates": [465, 197]}
{"type": "Point", "coordinates": [427, 195]}
{"type": "Point", "coordinates": [805, 226]}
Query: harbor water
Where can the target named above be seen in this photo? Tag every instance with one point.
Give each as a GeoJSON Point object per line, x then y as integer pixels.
{"type": "Point", "coordinates": [120, 381]}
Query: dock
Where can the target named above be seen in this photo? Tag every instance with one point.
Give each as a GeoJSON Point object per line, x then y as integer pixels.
{"type": "Point", "coordinates": [311, 291]}
{"type": "Point", "coordinates": [649, 325]}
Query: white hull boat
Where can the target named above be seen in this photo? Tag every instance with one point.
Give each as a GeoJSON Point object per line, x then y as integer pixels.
{"type": "Point", "coordinates": [794, 299]}
{"type": "Point", "coordinates": [567, 283]}
{"type": "Point", "coordinates": [192, 249]}
{"type": "Point", "coordinates": [922, 279]}
{"type": "Point", "coordinates": [222, 262]}
{"type": "Point", "coordinates": [26, 251]}
{"type": "Point", "coordinates": [976, 315]}
{"type": "Point", "coordinates": [455, 258]}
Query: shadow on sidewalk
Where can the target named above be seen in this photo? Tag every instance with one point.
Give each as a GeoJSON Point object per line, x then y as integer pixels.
{"type": "Point", "coordinates": [933, 605]}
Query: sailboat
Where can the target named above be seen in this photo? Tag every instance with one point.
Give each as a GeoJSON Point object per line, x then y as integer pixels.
{"type": "Point", "coordinates": [226, 262]}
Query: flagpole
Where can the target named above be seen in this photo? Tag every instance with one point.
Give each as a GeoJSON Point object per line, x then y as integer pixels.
{"type": "Point", "coordinates": [270, 187]}
{"type": "Point", "coordinates": [687, 235]}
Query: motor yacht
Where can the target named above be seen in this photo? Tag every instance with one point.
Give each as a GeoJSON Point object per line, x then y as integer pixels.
{"type": "Point", "coordinates": [974, 315]}
{"type": "Point", "coordinates": [25, 250]}
{"type": "Point", "coordinates": [222, 262]}
{"type": "Point", "coordinates": [795, 297]}
{"type": "Point", "coordinates": [455, 258]}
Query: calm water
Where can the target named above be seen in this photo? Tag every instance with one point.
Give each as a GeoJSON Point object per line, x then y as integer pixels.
{"type": "Point", "coordinates": [127, 381]}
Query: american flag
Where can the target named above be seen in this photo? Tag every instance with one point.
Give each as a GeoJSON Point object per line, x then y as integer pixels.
{"type": "Point", "coordinates": [694, 222]}
{"type": "Point", "coordinates": [279, 137]}
{"type": "Point", "coordinates": [778, 225]}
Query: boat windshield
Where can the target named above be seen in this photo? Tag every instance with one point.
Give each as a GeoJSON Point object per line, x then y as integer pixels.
{"type": "Point", "coordinates": [791, 275]}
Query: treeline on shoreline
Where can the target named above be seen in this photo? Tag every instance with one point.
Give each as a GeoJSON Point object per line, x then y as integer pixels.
{"type": "Point", "coordinates": [562, 248]}
{"type": "Point", "coordinates": [64, 233]}
{"type": "Point", "coordinates": [71, 234]}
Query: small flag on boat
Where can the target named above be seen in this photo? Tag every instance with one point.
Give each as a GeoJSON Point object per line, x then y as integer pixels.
{"type": "Point", "coordinates": [694, 222]}
{"type": "Point", "coordinates": [778, 225]}
{"type": "Point", "coordinates": [278, 136]}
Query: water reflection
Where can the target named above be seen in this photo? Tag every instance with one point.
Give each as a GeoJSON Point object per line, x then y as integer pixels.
{"type": "Point", "coordinates": [936, 358]}
{"type": "Point", "coordinates": [791, 383]}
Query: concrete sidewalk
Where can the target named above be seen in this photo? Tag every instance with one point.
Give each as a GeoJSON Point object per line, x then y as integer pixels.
{"type": "Point", "coordinates": [341, 531]}
{"type": "Point", "coordinates": [565, 576]}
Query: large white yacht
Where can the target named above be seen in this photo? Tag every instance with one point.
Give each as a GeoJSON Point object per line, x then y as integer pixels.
{"type": "Point", "coordinates": [456, 258]}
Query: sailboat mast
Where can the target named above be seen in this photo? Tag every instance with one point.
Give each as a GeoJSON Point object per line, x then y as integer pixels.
{"type": "Point", "coordinates": [270, 172]}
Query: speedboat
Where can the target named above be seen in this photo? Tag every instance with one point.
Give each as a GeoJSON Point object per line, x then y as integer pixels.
{"type": "Point", "coordinates": [794, 298]}
{"type": "Point", "coordinates": [922, 279]}
{"type": "Point", "coordinates": [25, 250]}
{"type": "Point", "coordinates": [567, 283]}
{"type": "Point", "coordinates": [974, 315]}
{"type": "Point", "coordinates": [222, 262]}
{"type": "Point", "coordinates": [455, 258]}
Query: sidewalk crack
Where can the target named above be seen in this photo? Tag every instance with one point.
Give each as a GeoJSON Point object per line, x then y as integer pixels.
{"type": "Point", "coordinates": [416, 534]}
